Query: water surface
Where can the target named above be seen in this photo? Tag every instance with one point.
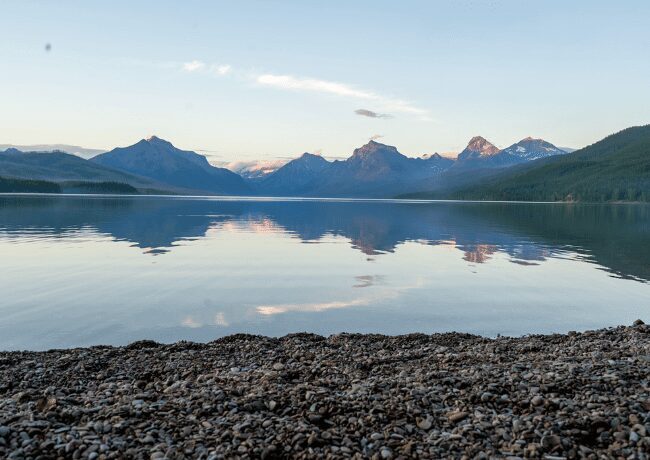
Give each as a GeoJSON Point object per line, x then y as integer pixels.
{"type": "Point", "coordinates": [81, 270]}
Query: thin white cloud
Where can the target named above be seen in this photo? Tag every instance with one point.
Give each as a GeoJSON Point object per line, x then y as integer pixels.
{"type": "Point", "coordinates": [201, 67]}
{"type": "Point", "coordinates": [309, 84]}
{"type": "Point", "coordinates": [291, 83]}
{"type": "Point", "coordinates": [221, 69]}
{"type": "Point", "coordinates": [288, 82]}
{"type": "Point", "coordinates": [193, 66]}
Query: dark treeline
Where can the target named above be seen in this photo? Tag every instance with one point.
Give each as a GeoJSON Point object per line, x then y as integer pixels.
{"type": "Point", "coordinates": [99, 187]}
{"type": "Point", "coordinates": [28, 186]}
{"type": "Point", "coordinates": [596, 191]}
{"type": "Point", "coordinates": [12, 185]}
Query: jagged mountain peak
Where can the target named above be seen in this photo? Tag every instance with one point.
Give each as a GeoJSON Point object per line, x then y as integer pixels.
{"type": "Point", "coordinates": [373, 148]}
{"type": "Point", "coordinates": [478, 147]}
{"type": "Point", "coordinates": [311, 156]}
{"type": "Point", "coordinates": [295, 176]}
{"type": "Point", "coordinates": [157, 142]}
{"type": "Point", "coordinates": [482, 145]}
{"type": "Point", "coordinates": [477, 139]}
{"type": "Point", "coordinates": [306, 161]}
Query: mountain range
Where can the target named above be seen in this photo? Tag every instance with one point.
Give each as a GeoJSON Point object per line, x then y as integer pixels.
{"type": "Point", "coordinates": [481, 153]}
{"type": "Point", "coordinates": [377, 170]}
{"type": "Point", "coordinates": [617, 168]}
{"type": "Point", "coordinates": [374, 170]}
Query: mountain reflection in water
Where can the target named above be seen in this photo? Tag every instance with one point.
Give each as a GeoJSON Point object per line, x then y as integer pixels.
{"type": "Point", "coordinates": [84, 270]}
{"type": "Point", "coordinates": [616, 237]}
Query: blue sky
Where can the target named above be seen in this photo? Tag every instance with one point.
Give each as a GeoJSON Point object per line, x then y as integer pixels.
{"type": "Point", "coordinates": [268, 79]}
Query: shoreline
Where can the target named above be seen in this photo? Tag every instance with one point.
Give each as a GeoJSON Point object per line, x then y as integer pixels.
{"type": "Point", "coordinates": [289, 198]}
{"type": "Point", "coordinates": [576, 395]}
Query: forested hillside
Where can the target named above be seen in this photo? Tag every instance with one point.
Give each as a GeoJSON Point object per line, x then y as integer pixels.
{"type": "Point", "coordinates": [616, 168]}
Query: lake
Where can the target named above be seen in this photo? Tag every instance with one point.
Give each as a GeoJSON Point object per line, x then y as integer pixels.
{"type": "Point", "coordinates": [88, 270]}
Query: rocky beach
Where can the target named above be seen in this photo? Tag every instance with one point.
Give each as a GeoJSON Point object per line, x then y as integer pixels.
{"type": "Point", "coordinates": [576, 395]}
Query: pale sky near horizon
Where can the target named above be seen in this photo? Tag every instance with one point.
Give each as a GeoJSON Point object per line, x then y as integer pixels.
{"type": "Point", "coordinates": [272, 79]}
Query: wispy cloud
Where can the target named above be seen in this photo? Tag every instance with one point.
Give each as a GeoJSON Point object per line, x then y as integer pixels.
{"type": "Point", "coordinates": [291, 83]}
{"type": "Point", "coordinates": [193, 66]}
{"type": "Point", "coordinates": [288, 82]}
{"type": "Point", "coordinates": [374, 137]}
{"type": "Point", "coordinates": [221, 69]}
{"type": "Point", "coordinates": [371, 114]}
{"type": "Point", "coordinates": [196, 66]}
{"type": "Point", "coordinates": [310, 84]}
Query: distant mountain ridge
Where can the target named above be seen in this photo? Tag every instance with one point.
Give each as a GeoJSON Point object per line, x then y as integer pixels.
{"type": "Point", "coordinates": [379, 170]}
{"type": "Point", "coordinates": [159, 160]}
{"type": "Point", "coordinates": [531, 168]}
{"type": "Point", "coordinates": [482, 154]}
{"type": "Point", "coordinates": [61, 167]}
{"type": "Point", "coordinates": [82, 152]}
{"type": "Point", "coordinates": [294, 177]}
{"type": "Point", "coordinates": [616, 168]}
{"type": "Point", "coordinates": [373, 170]}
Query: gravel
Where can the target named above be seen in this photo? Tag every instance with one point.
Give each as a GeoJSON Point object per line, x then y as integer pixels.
{"type": "Point", "coordinates": [579, 395]}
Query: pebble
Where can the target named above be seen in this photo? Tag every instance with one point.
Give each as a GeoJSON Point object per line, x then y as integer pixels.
{"type": "Point", "coordinates": [425, 424]}
{"type": "Point", "coordinates": [457, 416]}
{"type": "Point", "coordinates": [584, 394]}
{"type": "Point", "coordinates": [537, 400]}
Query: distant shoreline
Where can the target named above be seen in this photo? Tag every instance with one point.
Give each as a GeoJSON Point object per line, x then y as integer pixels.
{"type": "Point", "coordinates": [307, 198]}
{"type": "Point", "coordinates": [303, 395]}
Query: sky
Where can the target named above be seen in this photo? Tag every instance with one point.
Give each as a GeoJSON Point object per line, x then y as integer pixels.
{"type": "Point", "coordinates": [272, 79]}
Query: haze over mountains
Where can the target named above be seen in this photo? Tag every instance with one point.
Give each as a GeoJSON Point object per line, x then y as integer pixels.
{"type": "Point", "coordinates": [82, 152]}
{"type": "Point", "coordinates": [374, 170]}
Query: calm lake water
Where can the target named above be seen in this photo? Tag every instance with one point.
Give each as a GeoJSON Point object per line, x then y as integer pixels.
{"type": "Point", "coordinates": [106, 270]}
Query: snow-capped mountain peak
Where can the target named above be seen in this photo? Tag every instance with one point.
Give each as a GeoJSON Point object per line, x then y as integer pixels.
{"type": "Point", "coordinates": [531, 148]}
